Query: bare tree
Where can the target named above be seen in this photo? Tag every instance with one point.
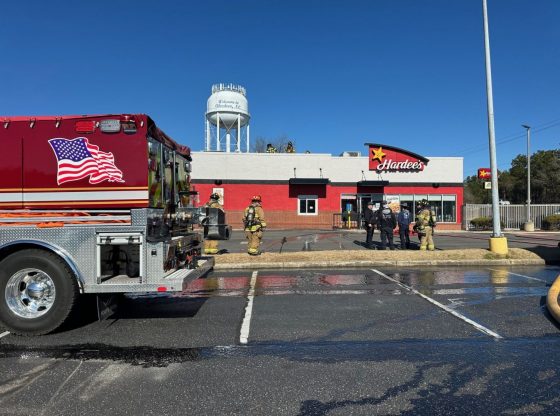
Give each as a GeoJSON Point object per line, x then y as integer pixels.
{"type": "Point", "coordinates": [259, 145]}
{"type": "Point", "coordinates": [280, 143]}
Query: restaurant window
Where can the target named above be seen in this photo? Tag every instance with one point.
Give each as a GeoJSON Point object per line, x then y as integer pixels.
{"type": "Point", "coordinates": [449, 208]}
{"type": "Point", "coordinates": [435, 204]}
{"type": "Point", "coordinates": [348, 202]}
{"type": "Point", "coordinates": [307, 205]}
{"type": "Point", "coordinates": [409, 201]}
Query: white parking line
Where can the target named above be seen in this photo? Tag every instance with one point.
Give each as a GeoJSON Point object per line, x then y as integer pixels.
{"type": "Point", "coordinates": [521, 275]}
{"type": "Point", "coordinates": [445, 308]}
{"type": "Point", "coordinates": [3, 334]}
{"type": "Point", "coordinates": [244, 336]}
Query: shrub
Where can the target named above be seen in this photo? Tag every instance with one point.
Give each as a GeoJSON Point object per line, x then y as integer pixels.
{"type": "Point", "coordinates": [551, 222]}
{"type": "Point", "coordinates": [483, 223]}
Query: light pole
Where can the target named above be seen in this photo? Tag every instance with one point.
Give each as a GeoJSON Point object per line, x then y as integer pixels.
{"type": "Point", "coordinates": [528, 226]}
{"type": "Point", "coordinates": [498, 243]}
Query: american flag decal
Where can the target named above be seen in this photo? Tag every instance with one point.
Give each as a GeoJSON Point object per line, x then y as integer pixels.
{"type": "Point", "coordinates": [78, 158]}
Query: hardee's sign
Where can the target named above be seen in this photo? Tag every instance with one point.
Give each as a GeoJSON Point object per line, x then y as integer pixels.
{"type": "Point", "coordinates": [484, 173]}
{"type": "Point", "coordinates": [384, 158]}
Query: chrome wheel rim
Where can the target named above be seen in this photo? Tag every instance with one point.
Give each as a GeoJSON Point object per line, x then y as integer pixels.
{"type": "Point", "coordinates": [30, 293]}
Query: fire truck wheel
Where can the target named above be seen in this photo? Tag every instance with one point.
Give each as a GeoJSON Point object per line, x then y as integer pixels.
{"type": "Point", "coordinates": [38, 292]}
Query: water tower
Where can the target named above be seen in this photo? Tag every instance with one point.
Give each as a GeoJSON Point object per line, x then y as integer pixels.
{"type": "Point", "coordinates": [227, 116]}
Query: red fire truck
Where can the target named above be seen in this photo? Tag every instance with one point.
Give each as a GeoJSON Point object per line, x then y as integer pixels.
{"type": "Point", "coordinates": [93, 204]}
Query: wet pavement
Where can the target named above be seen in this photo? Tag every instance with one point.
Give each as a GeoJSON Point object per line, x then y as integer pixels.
{"type": "Point", "coordinates": [338, 342]}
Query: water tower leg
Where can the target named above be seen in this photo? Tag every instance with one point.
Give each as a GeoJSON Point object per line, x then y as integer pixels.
{"type": "Point", "coordinates": [228, 141]}
{"type": "Point", "coordinates": [238, 133]}
{"type": "Point", "coordinates": [207, 135]}
{"type": "Point", "coordinates": [247, 138]}
{"type": "Point", "coordinates": [218, 147]}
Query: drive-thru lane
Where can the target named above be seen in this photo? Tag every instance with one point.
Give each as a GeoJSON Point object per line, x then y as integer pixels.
{"type": "Point", "coordinates": [316, 342]}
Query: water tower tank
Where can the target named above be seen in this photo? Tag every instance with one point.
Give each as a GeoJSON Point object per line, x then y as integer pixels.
{"type": "Point", "coordinates": [228, 101]}
{"type": "Point", "coordinates": [227, 109]}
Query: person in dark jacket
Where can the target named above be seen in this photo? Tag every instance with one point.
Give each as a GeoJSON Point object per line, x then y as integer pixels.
{"type": "Point", "coordinates": [386, 222]}
{"type": "Point", "coordinates": [369, 220]}
{"type": "Point", "coordinates": [404, 220]}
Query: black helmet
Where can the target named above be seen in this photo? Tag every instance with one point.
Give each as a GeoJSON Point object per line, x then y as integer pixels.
{"type": "Point", "coordinates": [215, 196]}
{"type": "Point", "coordinates": [424, 203]}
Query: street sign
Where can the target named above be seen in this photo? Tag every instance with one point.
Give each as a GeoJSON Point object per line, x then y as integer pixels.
{"type": "Point", "coordinates": [487, 185]}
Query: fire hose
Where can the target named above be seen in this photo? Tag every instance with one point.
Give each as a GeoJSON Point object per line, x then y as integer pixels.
{"type": "Point", "coordinates": [552, 299]}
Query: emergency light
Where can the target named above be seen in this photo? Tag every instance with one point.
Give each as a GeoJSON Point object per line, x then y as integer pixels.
{"type": "Point", "coordinates": [128, 124]}
{"type": "Point", "coordinates": [85, 126]}
{"type": "Point", "coordinates": [110, 126]}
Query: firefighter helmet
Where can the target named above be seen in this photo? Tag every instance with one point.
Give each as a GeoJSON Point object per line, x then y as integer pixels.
{"type": "Point", "coordinates": [256, 198]}
{"type": "Point", "coordinates": [424, 203]}
{"type": "Point", "coordinates": [215, 196]}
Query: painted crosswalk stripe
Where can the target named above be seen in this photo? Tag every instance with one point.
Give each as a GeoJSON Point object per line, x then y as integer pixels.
{"type": "Point", "coordinates": [3, 334]}
{"type": "Point", "coordinates": [244, 337]}
{"type": "Point", "coordinates": [445, 308]}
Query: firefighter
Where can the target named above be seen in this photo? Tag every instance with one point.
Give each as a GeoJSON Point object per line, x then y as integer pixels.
{"type": "Point", "coordinates": [290, 148]}
{"type": "Point", "coordinates": [425, 224]}
{"type": "Point", "coordinates": [211, 246]}
{"type": "Point", "coordinates": [254, 222]}
{"type": "Point", "coordinates": [270, 148]}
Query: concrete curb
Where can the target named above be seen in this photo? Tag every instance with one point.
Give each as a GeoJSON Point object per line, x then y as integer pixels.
{"type": "Point", "coordinates": [375, 263]}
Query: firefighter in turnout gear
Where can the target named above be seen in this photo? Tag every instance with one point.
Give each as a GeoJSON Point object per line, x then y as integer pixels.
{"type": "Point", "coordinates": [254, 222]}
{"type": "Point", "coordinates": [290, 148]}
{"type": "Point", "coordinates": [211, 246]}
{"type": "Point", "coordinates": [425, 224]}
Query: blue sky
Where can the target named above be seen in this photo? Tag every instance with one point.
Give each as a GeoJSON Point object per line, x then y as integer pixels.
{"type": "Point", "coordinates": [331, 75]}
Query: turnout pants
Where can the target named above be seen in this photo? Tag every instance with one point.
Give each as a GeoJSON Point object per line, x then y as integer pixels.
{"type": "Point", "coordinates": [210, 246]}
{"type": "Point", "coordinates": [253, 241]}
{"type": "Point", "coordinates": [426, 240]}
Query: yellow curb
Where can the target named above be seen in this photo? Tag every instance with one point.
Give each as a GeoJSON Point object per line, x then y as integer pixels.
{"type": "Point", "coordinates": [366, 263]}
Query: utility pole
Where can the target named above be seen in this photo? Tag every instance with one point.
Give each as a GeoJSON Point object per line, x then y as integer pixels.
{"type": "Point", "coordinates": [498, 243]}
{"type": "Point", "coordinates": [529, 225]}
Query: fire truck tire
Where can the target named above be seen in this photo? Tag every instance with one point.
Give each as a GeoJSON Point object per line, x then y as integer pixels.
{"type": "Point", "coordinates": [38, 292]}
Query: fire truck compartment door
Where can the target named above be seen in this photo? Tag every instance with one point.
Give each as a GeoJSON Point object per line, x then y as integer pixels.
{"type": "Point", "coordinates": [11, 183]}
{"type": "Point", "coordinates": [119, 239]}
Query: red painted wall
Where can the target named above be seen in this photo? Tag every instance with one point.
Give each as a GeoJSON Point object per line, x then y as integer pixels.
{"type": "Point", "coordinates": [280, 201]}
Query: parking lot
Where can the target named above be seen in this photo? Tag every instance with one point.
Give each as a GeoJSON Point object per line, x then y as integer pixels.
{"type": "Point", "coordinates": [309, 342]}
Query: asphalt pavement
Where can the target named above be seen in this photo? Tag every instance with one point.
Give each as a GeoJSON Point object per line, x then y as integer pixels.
{"type": "Point", "coordinates": [436, 341]}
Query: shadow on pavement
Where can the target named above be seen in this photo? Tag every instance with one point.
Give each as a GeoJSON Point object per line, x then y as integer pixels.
{"type": "Point", "coordinates": [551, 255]}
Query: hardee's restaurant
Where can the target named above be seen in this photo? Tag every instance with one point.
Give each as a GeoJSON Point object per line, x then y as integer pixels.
{"type": "Point", "coordinates": [321, 191]}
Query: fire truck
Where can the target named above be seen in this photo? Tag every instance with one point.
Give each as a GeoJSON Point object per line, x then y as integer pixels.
{"type": "Point", "coordinates": [94, 204]}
